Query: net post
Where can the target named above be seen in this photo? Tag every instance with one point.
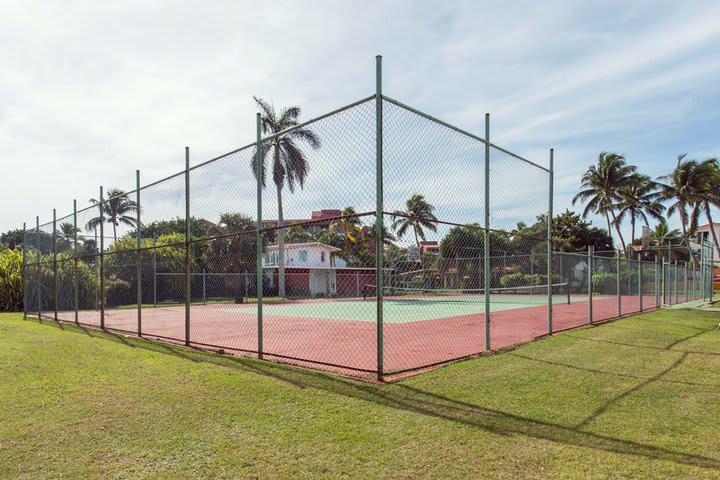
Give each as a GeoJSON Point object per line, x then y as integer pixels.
{"type": "Point", "coordinates": [379, 219]}
{"type": "Point", "coordinates": [549, 246]}
{"type": "Point", "coordinates": [39, 268]}
{"type": "Point", "coordinates": [24, 273]}
{"type": "Point", "coordinates": [138, 258]}
{"type": "Point", "coordinates": [187, 246]}
{"type": "Point", "coordinates": [589, 282]}
{"type": "Point", "coordinates": [617, 281]}
{"type": "Point", "coordinates": [640, 281]}
{"type": "Point", "coordinates": [258, 234]}
{"type": "Point", "coordinates": [76, 292]}
{"type": "Point", "coordinates": [486, 236]}
{"type": "Point", "coordinates": [101, 294]}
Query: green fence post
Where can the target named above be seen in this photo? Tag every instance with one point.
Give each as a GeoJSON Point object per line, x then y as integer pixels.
{"type": "Point", "coordinates": [675, 280]}
{"type": "Point", "coordinates": [640, 283]}
{"type": "Point", "coordinates": [712, 269]}
{"type": "Point", "coordinates": [258, 235]}
{"type": "Point", "coordinates": [101, 293]}
{"type": "Point", "coordinates": [685, 281]}
{"type": "Point", "coordinates": [617, 286]}
{"type": "Point", "coordinates": [54, 283]}
{"type": "Point", "coordinates": [138, 258]}
{"type": "Point", "coordinates": [379, 216]}
{"type": "Point", "coordinates": [76, 287]}
{"type": "Point", "coordinates": [154, 262]}
{"type": "Point", "coordinates": [39, 268]}
{"type": "Point", "coordinates": [187, 245]}
{"type": "Point", "coordinates": [24, 273]}
{"type": "Point", "coordinates": [549, 245]}
{"type": "Point", "coordinates": [486, 243]}
{"type": "Point", "coordinates": [657, 282]}
{"type": "Point", "coordinates": [589, 282]}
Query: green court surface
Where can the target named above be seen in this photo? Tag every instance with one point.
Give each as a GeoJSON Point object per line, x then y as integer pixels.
{"type": "Point", "coordinates": [401, 310]}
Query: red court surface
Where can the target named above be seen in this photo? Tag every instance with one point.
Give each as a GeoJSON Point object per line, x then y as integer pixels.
{"type": "Point", "coordinates": [349, 347]}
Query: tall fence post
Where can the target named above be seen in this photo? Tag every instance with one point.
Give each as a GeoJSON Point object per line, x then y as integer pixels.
{"type": "Point", "coordinates": [76, 286]}
{"type": "Point", "coordinates": [712, 270]}
{"type": "Point", "coordinates": [379, 216]}
{"type": "Point", "coordinates": [101, 293]}
{"type": "Point", "coordinates": [664, 283]}
{"type": "Point", "coordinates": [138, 258]}
{"type": "Point", "coordinates": [617, 286]}
{"type": "Point", "coordinates": [657, 282]}
{"type": "Point", "coordinates": [640, 282]}
{"type": "Point", "coordinates": [486, 237]}
{"type": "Point", "coordinates": [590, 252]}
{"type": "Point", "coordinates": [154, 265]}
{"type": "Point", "coordinates": [39, 268]}
{"type": "Point", "coordinates": [675, 280]}
{"type": "Point", "coordinates": [549, 246]}
{"type": "Point", "coordinates": [55, 283]}
{"type": "Point", "coordinates": [685, 282]}
{"type": "Point", "coordinates": [187, 245]}
{"type": "Point", "coordinates": [24, 272]}
{"type": "Point", "coordinates": [258, 235]}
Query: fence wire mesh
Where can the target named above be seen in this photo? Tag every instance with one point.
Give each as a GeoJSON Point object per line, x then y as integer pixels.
{"type": "Point", "coordinates": [388, 241]}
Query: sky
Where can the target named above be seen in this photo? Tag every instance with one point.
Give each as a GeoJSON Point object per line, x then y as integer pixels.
{"type": "Point", "coordinates": [92, 91]}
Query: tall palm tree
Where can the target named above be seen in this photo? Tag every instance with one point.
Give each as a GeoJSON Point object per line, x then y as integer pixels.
{"type": "Point", "coordinates": [686, 187]}
{"type": "Point", "coordinates": [417, 216]}
{"type": "Point", "coordinates": [709, 196]}
{"type": "Point", "coordinates": [117, 209]}
{"type": "Point", "coordinates": [602, 184]}
{"type": "Point", "coordinates": [639, 200]}
{"type": "Point", "coordinates": [289, 163]}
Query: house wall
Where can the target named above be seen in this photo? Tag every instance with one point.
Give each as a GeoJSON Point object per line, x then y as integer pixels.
{"type": "Point", "coordinates": [314, 257]}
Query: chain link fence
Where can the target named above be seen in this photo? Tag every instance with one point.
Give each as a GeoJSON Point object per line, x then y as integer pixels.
{"type": "Point", "coordinates": [373, 241]}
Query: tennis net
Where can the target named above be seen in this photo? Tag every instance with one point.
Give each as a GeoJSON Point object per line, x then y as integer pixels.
{"type": "Point", "coordinates": [530, 294]}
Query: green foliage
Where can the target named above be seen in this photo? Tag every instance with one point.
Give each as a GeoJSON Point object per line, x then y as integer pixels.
{"type": "Point", "coordinates": [11, 282]}
{"type": "Point", "coordinates": [604, 282]}
{"type": "Point", "coordinates": [525, 279]}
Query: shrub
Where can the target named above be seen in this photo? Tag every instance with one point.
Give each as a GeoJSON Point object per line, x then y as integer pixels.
{"type": "Point", "coordinates": [604, 282]}
{"type": "Point", "coordinates": [11, 283]}
{"type": "Point", "coordinates": [525, 279]}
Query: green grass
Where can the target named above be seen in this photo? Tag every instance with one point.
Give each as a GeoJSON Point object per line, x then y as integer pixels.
{"type": "Point", "coordinates": [636, 398]}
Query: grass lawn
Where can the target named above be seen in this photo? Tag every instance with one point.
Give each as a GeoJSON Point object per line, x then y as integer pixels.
{"type": "Point", "coordinates": [636, 398]}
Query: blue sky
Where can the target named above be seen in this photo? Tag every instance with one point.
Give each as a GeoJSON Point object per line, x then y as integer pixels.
{"type": "Point", "coordinates": [93, 91]}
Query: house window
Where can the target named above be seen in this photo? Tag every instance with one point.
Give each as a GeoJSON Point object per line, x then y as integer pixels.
{"type": "Point", "coordinates": [322, 256]}
{"type": "Point", "coordinates": [302, 256]}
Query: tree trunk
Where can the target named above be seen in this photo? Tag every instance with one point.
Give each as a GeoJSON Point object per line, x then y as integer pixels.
{"type": "Point", "coordinates": [607, 218]}
{"type": "Point", "coordinates": [632, 231]}
{"type": "Point", "coordinates": [617, 228]}
{"type": "Point", "coordinates": [281, 245]}
{"type": "Point", "coordinates": [115, 232]}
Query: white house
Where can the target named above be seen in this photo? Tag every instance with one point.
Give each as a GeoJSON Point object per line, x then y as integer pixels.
{"type": "Point", "coordinates": [703, 234]}
{"type": "Point", "coordinates": [315, 269]}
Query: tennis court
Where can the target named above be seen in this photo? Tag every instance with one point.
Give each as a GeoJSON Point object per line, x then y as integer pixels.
{"type": "Point", "coordinates": [339, 335]}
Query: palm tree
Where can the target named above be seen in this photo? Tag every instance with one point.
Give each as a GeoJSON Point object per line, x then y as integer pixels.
{"type": "Point", "coordinates": [639, 200]}
{"type": "Point", "coordinates": [418, 215]}
{"type": "Point", "coordinates": [66, 234]}
{"type": "Point", "coordinates": [602, 184]}
{"type": "Point", "coordinates": [117, 209]}
{"type": "Point", "coordinates": [289, 164]}
{"type": "Point", "coordinates": [348, 223]}
{"type": "Point", "coordinates": [709, 195]}
{"type": "Point", "coordinates": [662, 235]}
{"type": "Point", "coordinates": [687, 187]}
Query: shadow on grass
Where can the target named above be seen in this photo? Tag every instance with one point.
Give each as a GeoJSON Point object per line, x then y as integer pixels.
{"type": "Point", "coordinates": [405, 397]}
